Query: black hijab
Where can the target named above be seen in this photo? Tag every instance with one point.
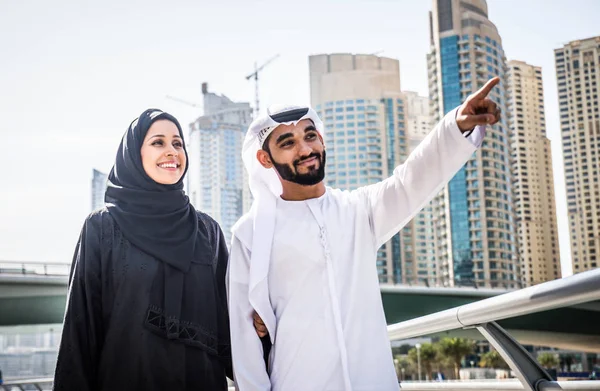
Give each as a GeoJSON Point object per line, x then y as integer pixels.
{"type": "Point", "coordinates": [159, 220]}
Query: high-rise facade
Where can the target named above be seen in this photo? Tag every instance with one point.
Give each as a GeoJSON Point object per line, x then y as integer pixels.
{"type": "Point", "coordinates": [359, 99]}
{"type": "Point", "coordinates": [216, 177]}
{"type": "Point", "coordinates": [474, 214]}
{"type": "Point", "coordinates": [533, 181]}
{"type": "Point", "coordinates": [418, 119]}
{"type": "Point", "coordinates": [578, 74]}
{"type": "Point", "coordinates": [425, 269]}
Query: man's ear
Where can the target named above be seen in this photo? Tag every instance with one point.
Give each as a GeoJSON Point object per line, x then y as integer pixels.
{"type": "Point", "coordinates": [264, 159]}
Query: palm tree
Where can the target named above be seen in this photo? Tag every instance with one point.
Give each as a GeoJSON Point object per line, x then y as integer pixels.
{"type": "Point", "coordinates": [402, 362]}
{"type": "Point", "coordinates": [547, 360]}
{"type": "Point", "coordinates": [428, 357]}
{"type": "Point", "coordinates": [456, 349]}
{"type": "Point", "coordinates": [492, 359]}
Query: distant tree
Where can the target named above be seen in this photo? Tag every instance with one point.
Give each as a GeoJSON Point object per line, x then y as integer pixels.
{"type": "Point", "coordinates": [492, 359]}
{"type": "Point", "coordinates": [401, 350]}
{"type": "Point", "coordinates": [456, 349]}
{"type": "Point", "coordinates": [402, 362]}
{"type": "Point", "coordinates": [428, 357]}
{"type": "Point", "coordinates": [548, 360]}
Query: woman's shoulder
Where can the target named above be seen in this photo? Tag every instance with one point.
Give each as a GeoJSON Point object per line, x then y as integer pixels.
{"type": "Point", "coordinates": [210, 224]}
{"type": "Point", "coordinates": [100, 220]}
{"type": "Point", "coordinates": [208, 221]}
{"type": "Point", "coordinates": [99, 216]}
{"type": "Point", "coordinates": [212, 227]}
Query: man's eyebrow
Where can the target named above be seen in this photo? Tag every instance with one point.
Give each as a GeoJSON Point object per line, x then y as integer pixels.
{"type": "Point", "coordinates": [283, 137]}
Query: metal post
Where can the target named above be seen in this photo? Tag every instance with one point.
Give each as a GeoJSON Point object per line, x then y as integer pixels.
{"type": "Point", "coordinates": [526, 368]}
{"type": "Point", "coordinates": [418, 346]}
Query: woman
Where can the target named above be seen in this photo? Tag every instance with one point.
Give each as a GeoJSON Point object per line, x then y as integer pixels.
{"type": "Point", "coordinates": [146, 307]}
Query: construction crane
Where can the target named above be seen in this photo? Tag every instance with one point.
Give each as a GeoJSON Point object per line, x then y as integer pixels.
{"type": "Point", "coordinates": [185, 102]}
{"type": "Point", "coordinates": [254, 75]}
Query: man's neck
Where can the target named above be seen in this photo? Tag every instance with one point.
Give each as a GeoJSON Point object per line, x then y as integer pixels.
{"type": "Point", "coordinates": [295, 192]}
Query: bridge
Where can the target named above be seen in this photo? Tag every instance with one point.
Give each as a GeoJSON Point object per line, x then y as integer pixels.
{"type": "Point", "coordinates": [32, 293]}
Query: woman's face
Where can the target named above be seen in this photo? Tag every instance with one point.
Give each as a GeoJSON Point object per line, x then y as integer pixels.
{"type": "Point", "coordinates": [163, 157]}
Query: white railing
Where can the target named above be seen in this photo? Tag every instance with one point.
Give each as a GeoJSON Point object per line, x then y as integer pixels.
{"type": "Point", "coordinates": [500, 385]}
{"type": "Point", "coordinates": [505, 385]}
{"type": "Point", "coordinates": [580, 288]}
{"type": "Point", "coordinates": [40, 384]}
{"type": "Point", "coordinates": [15, 268]}
{"type": "Point", "coordinates": [483, 314]}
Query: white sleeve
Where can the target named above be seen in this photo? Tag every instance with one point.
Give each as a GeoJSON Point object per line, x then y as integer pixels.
{"type": "Point", "coordinates": [392, 203]}
{"type": "Point", "coordinates": [249, 369]}
{"type": "Point", "coordinates": [476, 136]}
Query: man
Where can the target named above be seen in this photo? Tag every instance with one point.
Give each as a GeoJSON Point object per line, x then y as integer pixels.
{"type": "Point", "coordinates": [304, 257]}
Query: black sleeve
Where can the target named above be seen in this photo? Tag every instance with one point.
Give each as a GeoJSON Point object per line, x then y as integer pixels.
{"type": "Point", "coordinates": [82, 335]}
{"type": "Point", "coordinates": [221, 270]}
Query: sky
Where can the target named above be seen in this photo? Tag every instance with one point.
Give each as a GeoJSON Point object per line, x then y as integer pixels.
{"type": "Point", "coordinates": [74, 74]}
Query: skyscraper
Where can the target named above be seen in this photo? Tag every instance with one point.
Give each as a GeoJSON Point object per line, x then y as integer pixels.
{"type": "Point", "coordinates": [425, 269]}
{"type": "Point", "coordinates": [418, 122]}
{"type": "Point", "coordinates": [216, 183]}
{"type": "Point", "coordinates": [359, 99]}
{"type": "Point", "coordinates": [577, 74]}
{"type": "Point", "coordinates": [533, 183]}
{"type": "Point", "coordinates": [474, 214]}
{"type": "Point", "coordinates": [98, 189]}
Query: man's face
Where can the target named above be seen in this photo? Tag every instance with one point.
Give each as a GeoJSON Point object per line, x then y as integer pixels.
{"type": "Point", "coordinates": [296, 152]}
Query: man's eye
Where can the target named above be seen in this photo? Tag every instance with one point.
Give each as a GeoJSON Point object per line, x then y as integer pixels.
{"type": "Point", "coordinates": [286, 144]}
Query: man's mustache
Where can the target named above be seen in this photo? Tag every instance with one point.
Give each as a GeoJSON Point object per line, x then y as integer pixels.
{"type": "Point", "coordinates": [314, 154]}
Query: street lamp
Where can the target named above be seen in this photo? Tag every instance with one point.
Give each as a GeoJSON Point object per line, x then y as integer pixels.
{"type": "Point", "coordinates": [418, 346]}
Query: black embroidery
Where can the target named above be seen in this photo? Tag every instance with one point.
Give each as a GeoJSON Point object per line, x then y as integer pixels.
{"type": "Point", "coordinates": [185, 332]}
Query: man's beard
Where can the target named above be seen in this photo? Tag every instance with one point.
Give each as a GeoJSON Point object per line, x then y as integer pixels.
{"type": "Point", "coordinates": [312, 177]}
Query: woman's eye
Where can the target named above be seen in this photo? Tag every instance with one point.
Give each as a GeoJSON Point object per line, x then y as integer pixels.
{"type": "Point", "coordinates": [178, 145]}
{"type": "Point", "coordinates": [157, 142]}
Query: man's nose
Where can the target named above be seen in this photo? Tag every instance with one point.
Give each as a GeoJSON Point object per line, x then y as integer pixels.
{"type": "Point", "coordinates": [305, 149]}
